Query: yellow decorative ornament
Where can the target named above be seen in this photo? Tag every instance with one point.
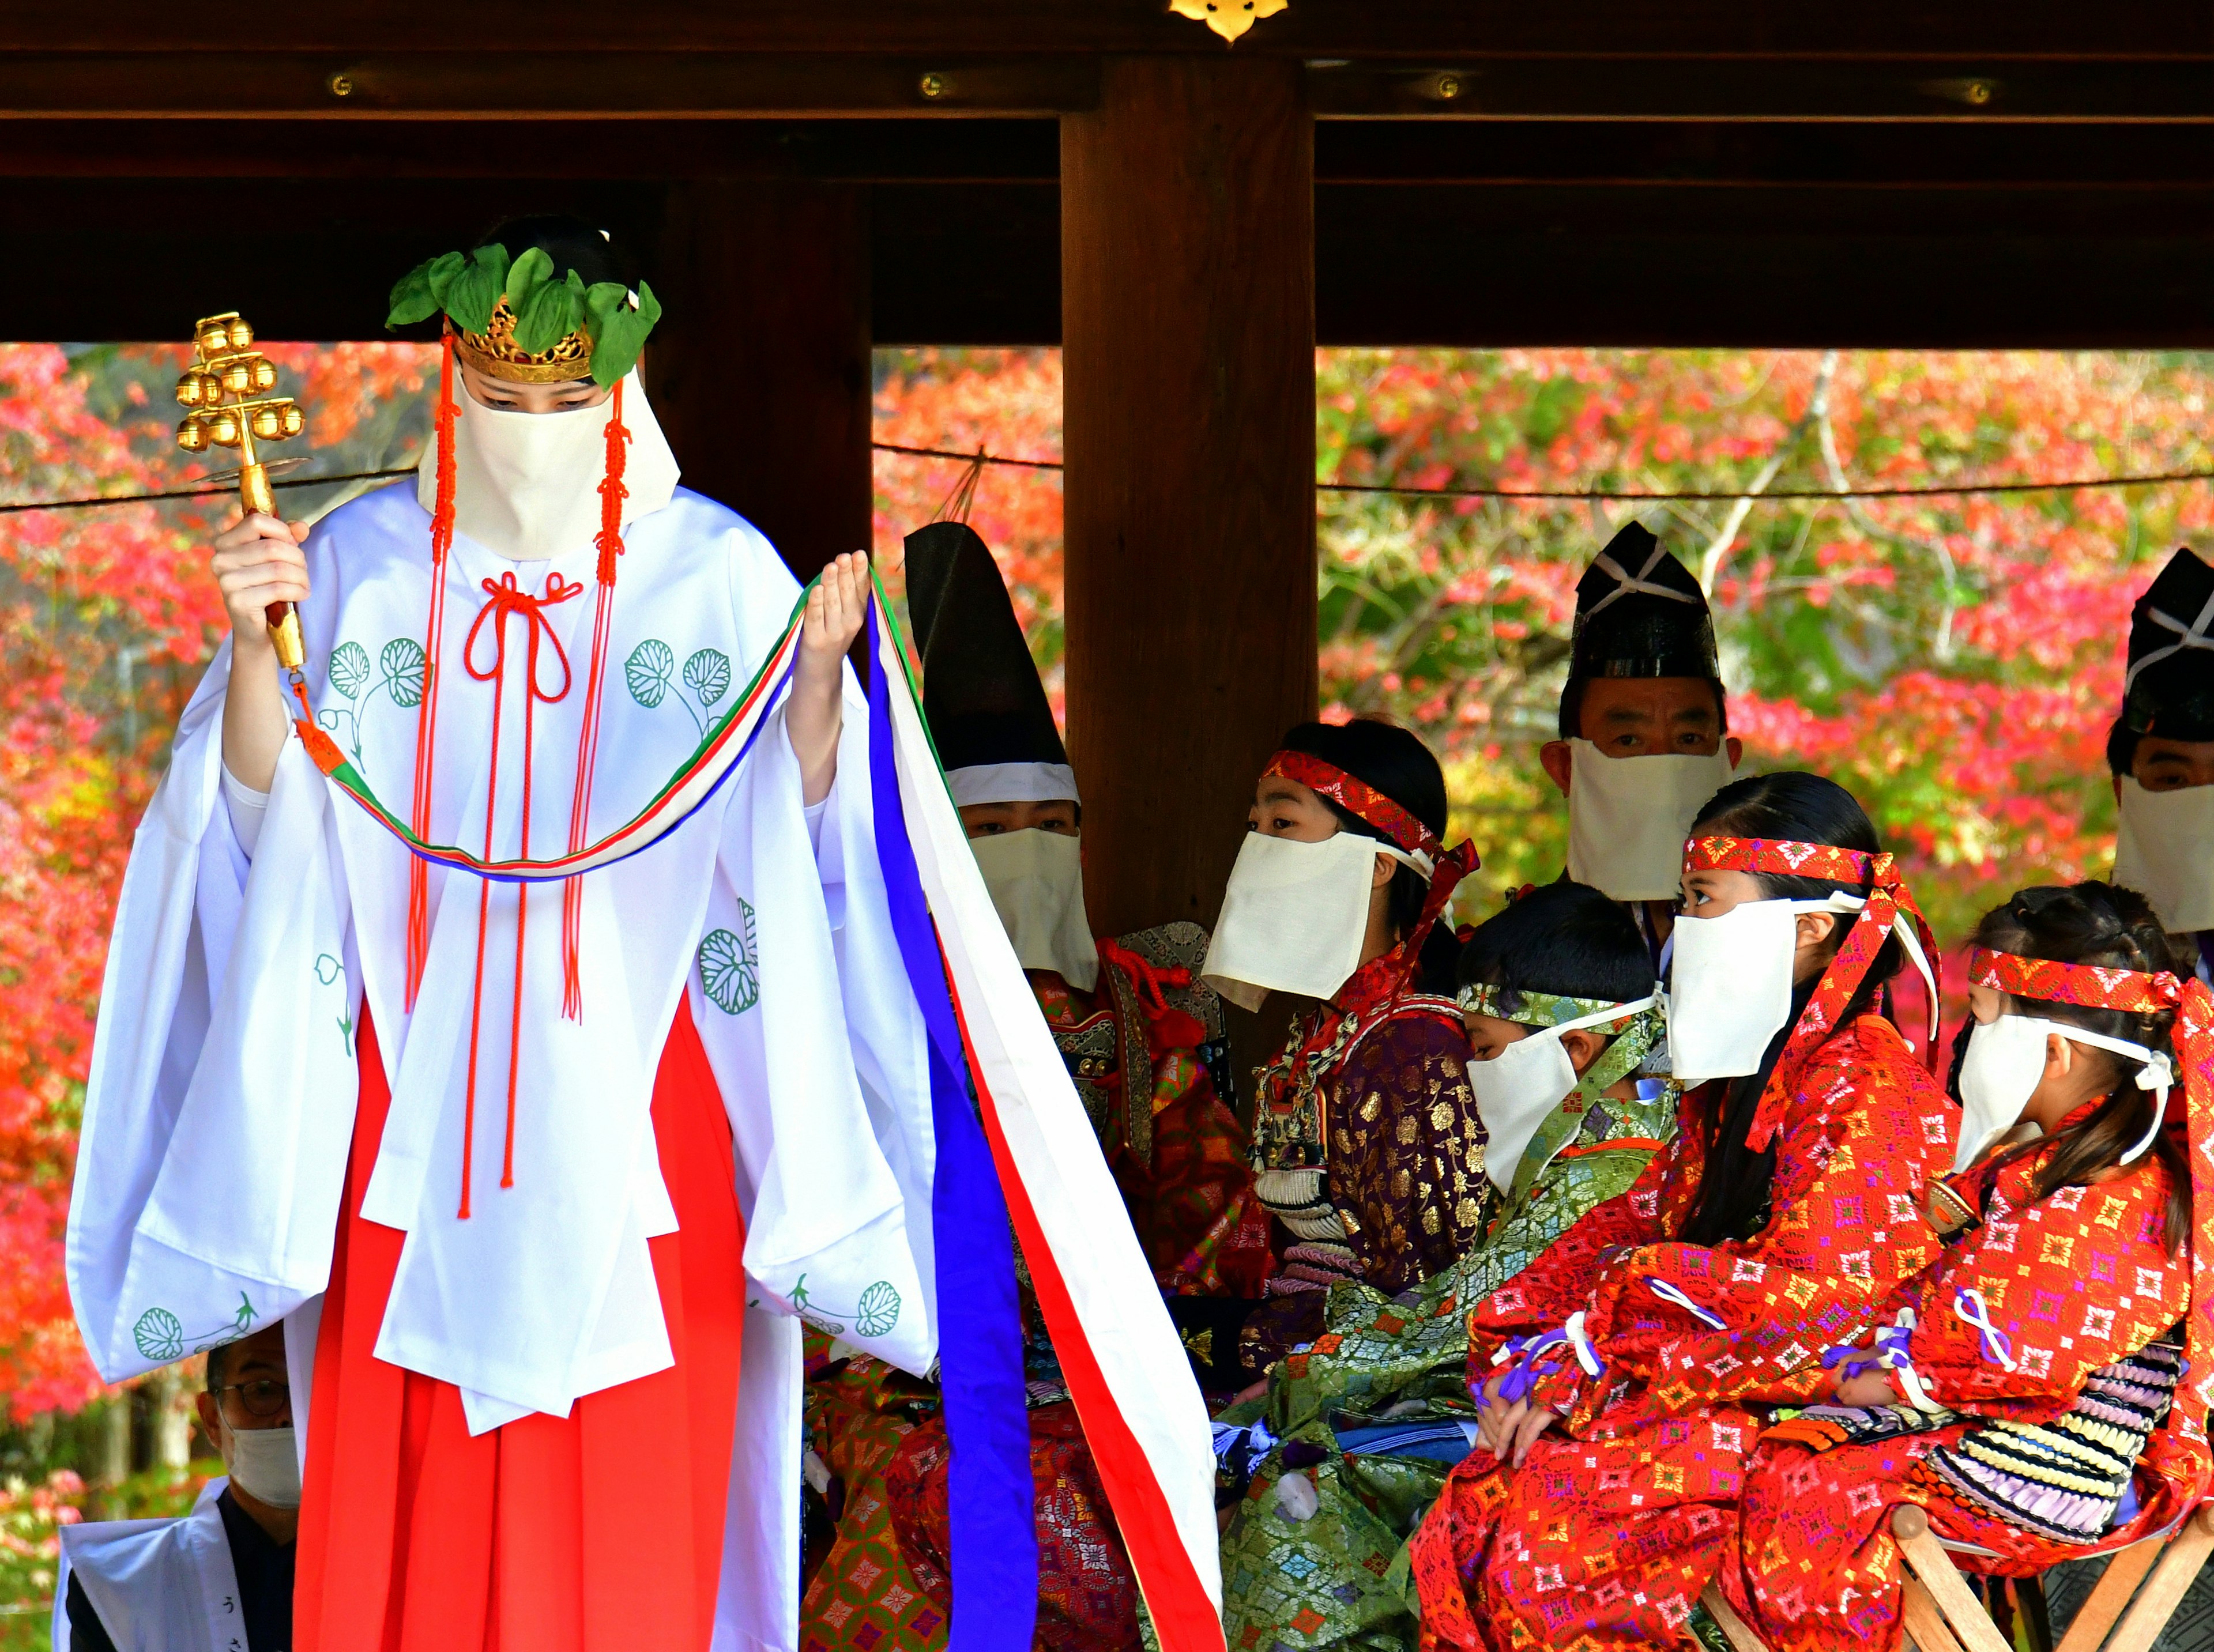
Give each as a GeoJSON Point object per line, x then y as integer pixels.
{"type": "Point", "coordinates": [1228, 18]}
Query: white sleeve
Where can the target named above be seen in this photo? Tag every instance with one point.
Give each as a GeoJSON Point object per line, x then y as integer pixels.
{"type": "Point", "coordinates": [221, 1093]}
{"type": "Point", "coordinates": [247, 807]}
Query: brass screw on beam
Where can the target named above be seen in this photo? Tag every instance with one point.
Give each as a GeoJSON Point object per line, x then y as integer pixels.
{"type": "Point", "coordinates": [933, 86]}
{"type": "Point", "coordinates": [1979, 91]}
{"type": "Point", "coordinates": [341, 84]}
{"type": "Point", "coordinates": [1448, 87]}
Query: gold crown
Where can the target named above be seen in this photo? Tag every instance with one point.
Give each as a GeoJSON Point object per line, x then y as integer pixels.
{"type": "Point", "coordinates": [494, 352]}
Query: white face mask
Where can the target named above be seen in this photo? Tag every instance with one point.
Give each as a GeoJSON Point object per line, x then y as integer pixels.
{"type": "Point", "coordinates": [2004, 1062]}
{"type": "Point", "coordinates": [1729, 990]}
{"type": "Point", "coordinates": [2165, 850]}
{"type": "Point", "coordinates": [1517, 1090]}
{"type": "Point", "coordinates": [1036, 881]}
{"type": "Point", "coordinates": [1293, 917]}
{"type": "Point", "coordinates": [264, 1463]}
{"type": "Point", "coordinates": [1629, 816]}
{"type": "Point", "coordinates": [527, 485]}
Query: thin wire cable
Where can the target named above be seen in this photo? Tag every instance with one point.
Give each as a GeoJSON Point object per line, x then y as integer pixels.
{"type": "Point", "coordinates": [2153, 479]}
{"type": "Point", "coordinates": [197, 493]}
{"type": "Point", "coordinates": [1948, 490]}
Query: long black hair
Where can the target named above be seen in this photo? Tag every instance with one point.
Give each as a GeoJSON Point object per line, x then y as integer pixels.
{"type": "Point", "coordinates": [2097, 924]}
{"type": "Point", "coordinates": [1791, 807]}
{"type": "Point", "coordinates": [1394, 762]}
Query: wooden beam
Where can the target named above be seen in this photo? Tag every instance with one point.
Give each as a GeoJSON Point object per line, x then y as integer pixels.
{"type": "Point", "coordinates": [551, 86]}
{"type": "Point", "coordinates": [850, 150]}
{"type": "Point", "coordinates": [382, 86]}
{"type": "Point", "coordinates": [1421, 29]}
{"type": "Point", "coordinates": [1476, 266]}
{"type": "Point", "coordinates": [760, 368]}
{"type": "Point", "coordinates": [959, 263]}
{"type": "Point", "coordinates": [1584, 85]}
{"type": "Point", "coordinates": [1463, 264]}
{"type": "Point", "coordinates": [1690, 154]}
{"type": "Point", "coordinates": [1188, 300]}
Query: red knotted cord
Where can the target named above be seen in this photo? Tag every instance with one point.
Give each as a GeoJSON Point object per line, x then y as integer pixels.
{"type": "Point", "coordinates": [1147, 979]}
{"type": "Point", "coordinates": [612, 495]}
{"type": "Point", "coordinates": [506, 598]}
{"type": "Point", "coordinates": [426, 714]}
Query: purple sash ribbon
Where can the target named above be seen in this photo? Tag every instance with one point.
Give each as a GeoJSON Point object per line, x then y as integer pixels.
{"type": "Point", "coordinates": [992, 1498]}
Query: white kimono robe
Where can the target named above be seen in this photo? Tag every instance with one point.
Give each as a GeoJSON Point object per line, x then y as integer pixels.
{"type": "Point", "coordinates": [222, 1088]}
{"type": "Point", "coordinates": [158, 1585]}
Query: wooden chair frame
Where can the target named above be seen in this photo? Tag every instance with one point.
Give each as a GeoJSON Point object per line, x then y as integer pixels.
{"type": "Point", "coordinates": [1940, 1613]}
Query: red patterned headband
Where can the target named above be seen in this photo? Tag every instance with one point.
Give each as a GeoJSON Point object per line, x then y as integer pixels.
{"type": "Point", "coordinates": [1847, 970]}
{"type": "Point", "coordinates": [1789, 859]}
{"type": "Point", "coordinates": [1358, 797]}
{"type": "Point", "coordinates": [2091, 986]}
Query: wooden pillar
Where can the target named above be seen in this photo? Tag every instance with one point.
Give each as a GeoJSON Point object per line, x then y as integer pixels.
{"type": "Point", "coordinates": [760, 369]}
{"type": "Point", "coordinates": [1188, 425]}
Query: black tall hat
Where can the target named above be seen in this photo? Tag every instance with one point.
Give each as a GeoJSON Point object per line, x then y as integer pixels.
{"type": "Point", "coordinates": [981, 693]}
{"type": "Point", "coordinates": [1639, 613]}
{"type": "Point", "coordinates": [2170, 687]}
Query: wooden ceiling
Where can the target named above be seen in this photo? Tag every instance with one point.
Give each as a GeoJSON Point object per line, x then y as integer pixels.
{"type": "Point", "coordinates": [1723, 173]}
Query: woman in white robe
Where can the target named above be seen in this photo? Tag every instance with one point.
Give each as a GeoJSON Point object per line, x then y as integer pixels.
{"type": "Point", "coordinates": [489, 1148]}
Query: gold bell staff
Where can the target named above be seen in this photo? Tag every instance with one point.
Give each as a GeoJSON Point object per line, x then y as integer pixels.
{"type": "Point", "coordinates": [226, 390]}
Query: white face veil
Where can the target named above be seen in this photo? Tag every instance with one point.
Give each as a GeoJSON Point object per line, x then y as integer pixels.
{"type": "Point", "coordinates": [1035, 879]}
{"type": "Point", "coordinates": [527, 485]}
{"type": "Point", "coordinates": [1295, 916]}
{"type": "Point", "coordinates": [2164, 850]}
{"type": "Point", "coordinates": [1628, 817]}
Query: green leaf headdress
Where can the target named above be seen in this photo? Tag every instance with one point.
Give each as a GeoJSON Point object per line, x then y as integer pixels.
{"type": "Point", "coordinates": [515, 321]}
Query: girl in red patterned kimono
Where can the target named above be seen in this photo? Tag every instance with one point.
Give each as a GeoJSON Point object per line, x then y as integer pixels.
{"type": "Point", "coordinates": [1367, 1147]}
{"type": "Point", "coordinates": [2017, 1380]}
{"type": "Point", "coordinates": [1620, 1371]}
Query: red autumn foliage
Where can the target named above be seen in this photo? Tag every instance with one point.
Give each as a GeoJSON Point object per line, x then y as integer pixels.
{"type": "Point", "coordinates": [106, 617]}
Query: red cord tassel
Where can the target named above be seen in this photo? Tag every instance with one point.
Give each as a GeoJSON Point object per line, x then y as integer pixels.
{"type": "Point", "coordinates": [612, 495]}
{"type": "Point", "coordinates": [426, 713]}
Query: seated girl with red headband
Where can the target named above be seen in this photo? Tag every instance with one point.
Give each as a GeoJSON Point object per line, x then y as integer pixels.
{"type": "Point", "coordinates": [2012, 1387]}
{"type": "Point", "coordinates": [1367, 1147]}
{"type": "Point", "coordinates": [1620, 1371]}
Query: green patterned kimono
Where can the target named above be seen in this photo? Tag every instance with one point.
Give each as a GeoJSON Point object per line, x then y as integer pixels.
{"type": "Point", "coordinates": [1339, 1578]}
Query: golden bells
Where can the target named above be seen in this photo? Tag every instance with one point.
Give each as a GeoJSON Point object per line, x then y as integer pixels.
{"type": "Point", "coordinates": [226, 388]}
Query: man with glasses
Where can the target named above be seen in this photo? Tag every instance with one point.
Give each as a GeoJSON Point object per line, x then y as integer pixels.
{"type": "Point", "coordinates": [221, 1578]}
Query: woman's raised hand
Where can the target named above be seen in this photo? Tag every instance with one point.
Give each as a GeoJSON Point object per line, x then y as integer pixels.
{"type": "Point", "coordinates": [832, 620]}
{"type": "Point", "coordinates": [256, 564]}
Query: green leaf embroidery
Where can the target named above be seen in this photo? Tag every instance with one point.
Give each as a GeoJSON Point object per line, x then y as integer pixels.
{"type": "Point", "coordinates": [474, 291]}
{"type": "Point", "coordinates": [401, 662]}
{"type": "Point", "coordinates": [160, 1335]}
{"type": "Point", "coordinates": [618, 331]}
{"type": "Point", "coordinates": [730, 965]}
{"type": "Point", "coordinates": [349, 668]}
{"type": "Point", "coordinates": [649, 669]}
{"type": "Point", "coordinates": [878, 1313]}
{"type": "Point", "coordinates": [707, 673]}
{"type": "Point", "coordinates": [879, 1309]}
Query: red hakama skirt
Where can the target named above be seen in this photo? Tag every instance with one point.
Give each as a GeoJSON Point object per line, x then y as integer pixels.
{"type": "Point", "coordinates": [601, 1530]}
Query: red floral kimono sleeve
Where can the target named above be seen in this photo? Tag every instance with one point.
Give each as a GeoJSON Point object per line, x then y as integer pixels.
{"type": "Point", "coordinates": [1747, 1321]}
{"type": "Point", "coordinates": [2015, 1318]}
{"type": "Point", "coordinates": [1560, 1280]}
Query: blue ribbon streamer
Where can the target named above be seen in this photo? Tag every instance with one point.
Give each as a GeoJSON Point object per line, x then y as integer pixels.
{"type": "Point", "coordinates": [992, 1506]}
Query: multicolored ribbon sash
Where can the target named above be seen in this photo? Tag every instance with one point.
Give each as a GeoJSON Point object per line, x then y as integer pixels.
{"type": "Point", "coordinates": [725, 747]}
